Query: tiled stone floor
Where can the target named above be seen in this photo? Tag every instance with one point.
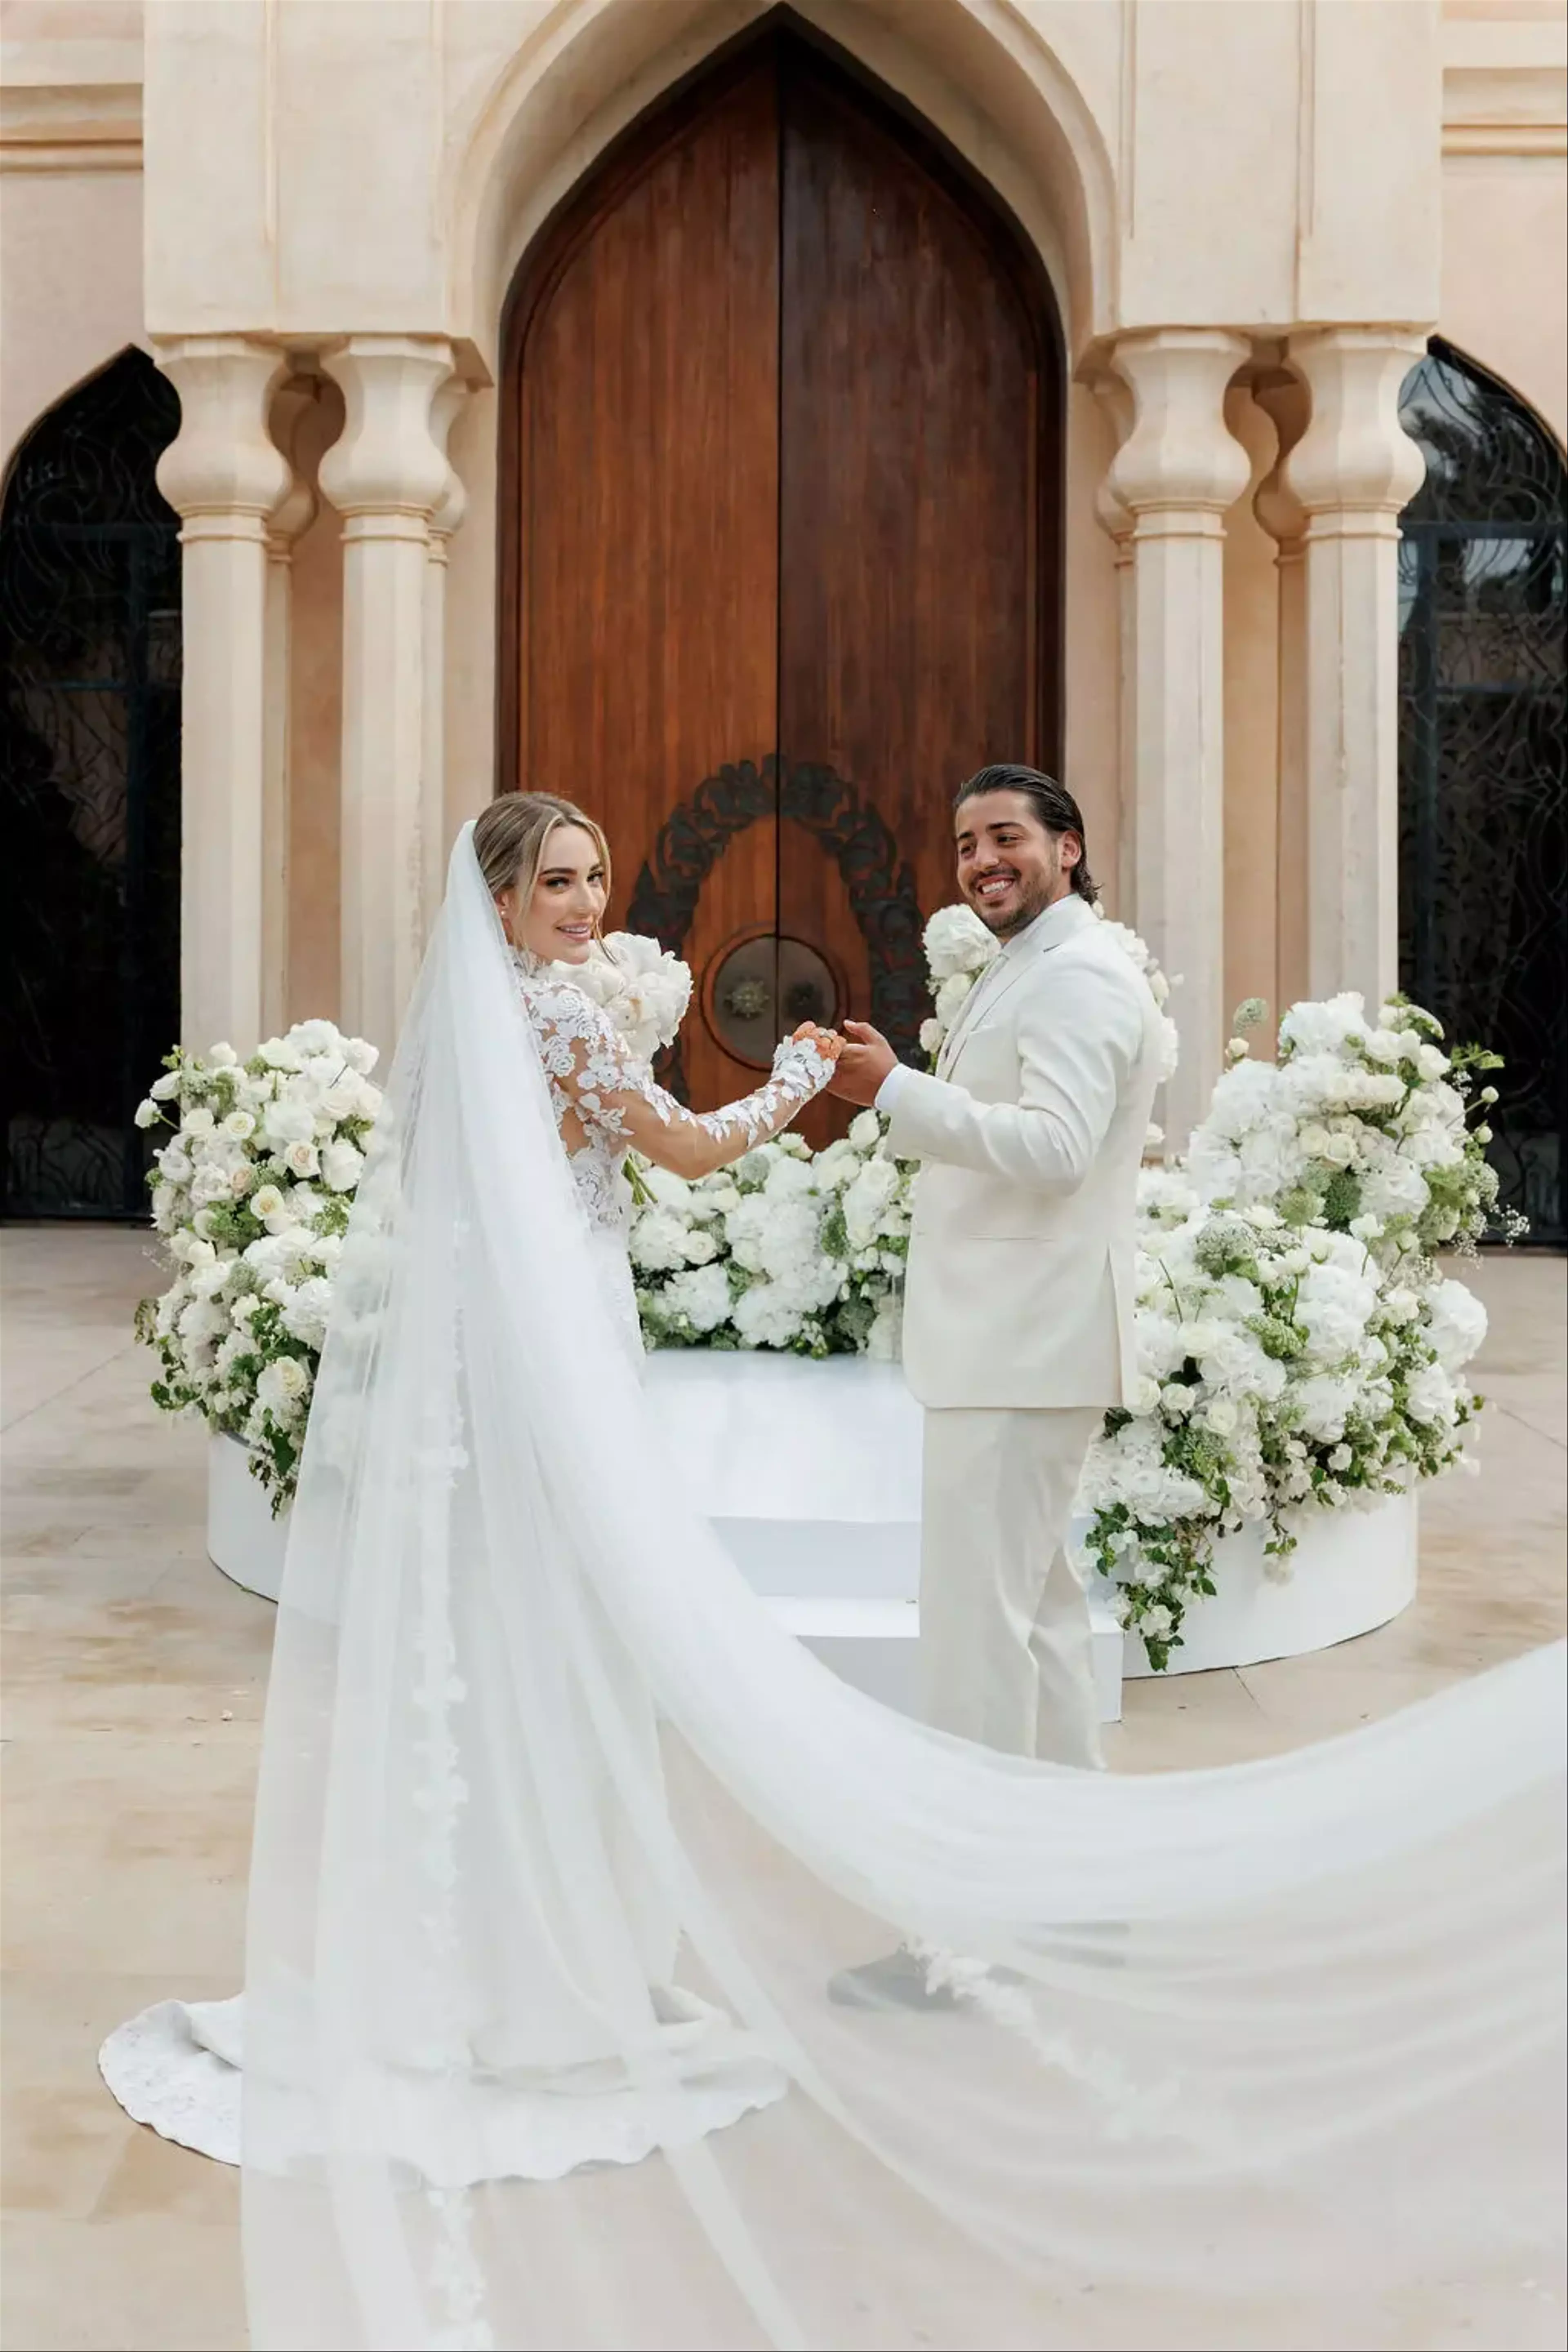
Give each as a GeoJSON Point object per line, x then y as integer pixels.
{"type": "Point", "coordinates": [134, 1677]}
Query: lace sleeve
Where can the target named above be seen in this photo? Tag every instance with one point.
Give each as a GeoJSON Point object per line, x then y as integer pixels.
{"type": "Point", "coordinates": [594, 1074]}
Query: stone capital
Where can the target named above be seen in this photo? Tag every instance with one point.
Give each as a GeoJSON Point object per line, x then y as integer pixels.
{"type": "Point", "coordinates": [387, 467]}
{"type": "Point", "coordinates": [1111, 511]}
{"type": "Point", "coordinates": [297, 508]}
{"type": "Point", "coordinates": [1286, 403]}
{"type": "Point", "coordinates": [1354, 457]}
{"type": "Point", "coordinates": [1180, 468]}
{"type": "Point", "coordinates": [454, 502]}
{"type": "Point", "coordinates": [222, 473]}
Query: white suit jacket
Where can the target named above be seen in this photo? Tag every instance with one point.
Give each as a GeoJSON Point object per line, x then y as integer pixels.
{"type": "Point", "coordinates": [1020, 1290]}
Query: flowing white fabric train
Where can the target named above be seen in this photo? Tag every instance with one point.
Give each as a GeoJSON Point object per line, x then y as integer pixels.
{"type": "Point", "coordinates": [1317, 2100]}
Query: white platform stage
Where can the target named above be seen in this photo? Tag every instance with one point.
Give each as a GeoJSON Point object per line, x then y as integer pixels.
{"type": "Point", "coordinates": [811, 1474]}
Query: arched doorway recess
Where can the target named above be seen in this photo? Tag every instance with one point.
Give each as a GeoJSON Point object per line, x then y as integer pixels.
{"type": "Point", "coordinates": [780, 503]}
{"type": "Point", "coordinates": [1483, 783]}
{"type": "Point", "coordinates": [89, 746]}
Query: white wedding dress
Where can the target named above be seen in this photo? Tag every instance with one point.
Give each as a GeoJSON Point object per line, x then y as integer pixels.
{"type": "Point", "coordinates": [560, 1840]}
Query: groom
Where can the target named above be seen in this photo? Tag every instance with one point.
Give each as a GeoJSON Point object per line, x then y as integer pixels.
{"type": "Point", "coordinates": [1019, 1293]}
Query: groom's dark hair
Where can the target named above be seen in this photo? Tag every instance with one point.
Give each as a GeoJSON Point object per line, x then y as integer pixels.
{"type": "Point", "coordinates": [1052, 804]}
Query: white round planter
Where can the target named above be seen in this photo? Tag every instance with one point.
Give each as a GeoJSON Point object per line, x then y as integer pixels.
{"type": "Point", "coordinates": [243, 1538]}
{"type": "Point", "coordinates": [811, 1474]}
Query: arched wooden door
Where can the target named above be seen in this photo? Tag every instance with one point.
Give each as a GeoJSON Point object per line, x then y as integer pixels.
{"type": "Point", "coordinates": [780, 535]}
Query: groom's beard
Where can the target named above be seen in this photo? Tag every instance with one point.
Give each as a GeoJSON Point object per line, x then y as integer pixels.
{"type": "Point", "coordinates": [1032, 898]}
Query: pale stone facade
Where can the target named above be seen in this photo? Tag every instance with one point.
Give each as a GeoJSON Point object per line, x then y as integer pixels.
{"type": "Point", "coordinates": [1252, 213]}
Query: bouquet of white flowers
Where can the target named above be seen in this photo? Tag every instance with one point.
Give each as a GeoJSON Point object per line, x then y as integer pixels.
{"type": "Point", "coordinates": [1297, 1346]}
{"type": "Point", "coordinates": [787, 1249]}
{"type": "Point", "coordinates": [641, 986]}
{"type": "Point", "coordinates": [252, 1194]}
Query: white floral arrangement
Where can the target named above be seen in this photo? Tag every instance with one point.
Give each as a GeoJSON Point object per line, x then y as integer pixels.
{"type": "Point", "coordinates": [1299, 1345]}
{"type": "Point", "coordinates": [787, 1249]}
{"type": "Point", "coordinates": [251, 1194]}
{"type": "Point", "coordinates": [1298, 1348]}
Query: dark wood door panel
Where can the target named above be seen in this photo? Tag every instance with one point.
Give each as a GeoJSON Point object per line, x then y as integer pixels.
{"type": "Point", "coordinates": [779, 531]}
{"type": "Point", "coordinates": [649, 498]}
{"type": "Point", "coordinates": [910, 636]}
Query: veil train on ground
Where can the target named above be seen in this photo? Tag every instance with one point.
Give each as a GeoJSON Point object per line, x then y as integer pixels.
{"type": "Point", "coordinates": [559, 1841]}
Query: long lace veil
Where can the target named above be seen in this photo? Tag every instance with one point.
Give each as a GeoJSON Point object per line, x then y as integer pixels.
{"type": "Point", "coordinates": [559, 1841]}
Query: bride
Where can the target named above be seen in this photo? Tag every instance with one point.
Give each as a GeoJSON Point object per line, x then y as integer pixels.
{"type": "Point", "coordinates": [560, 1842]}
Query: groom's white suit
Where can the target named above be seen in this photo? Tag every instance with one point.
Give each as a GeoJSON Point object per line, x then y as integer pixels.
{"type": "Point", "coordinates": [1018, 1316]}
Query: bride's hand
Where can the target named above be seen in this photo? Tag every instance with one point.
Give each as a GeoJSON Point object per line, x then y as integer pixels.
{"type": "Point", "coordinates": [827, 1042]}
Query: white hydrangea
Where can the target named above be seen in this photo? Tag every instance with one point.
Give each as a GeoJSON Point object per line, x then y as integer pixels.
{"type": "Point", "coordinates": [701, 1294]}
{"type": "Point", "coordinates": [1455, 1323]}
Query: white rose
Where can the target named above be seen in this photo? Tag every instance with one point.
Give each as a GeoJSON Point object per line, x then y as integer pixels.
{"type": "Point", "coordinates": [164, 1089]}
{"type": "Point", "coordinates": [300, 1158]}
{"type": "Point", "coordinates": [699, 1246]}
{"type": "Point", "coordinates": [931, 1036]}
{"type": "Point", "coordinates": [221, 1055]}
{"type": "Point", "coordinates": [1430, 1062]}
{"type": "Point", "coordinates": [282, 1385]}
{"type": "Point", "coordinates": [266, 1201]}
{"type": "Point", "coordinates": [200, 1253]}
{"type": "Point", "coordinates": [239, 1127]}
{"type": "Point", "coordinates": [1146, 1396]}
{"type": "Point", "coordinates": [148, 1113]}
{"type": "Point", "coordinates": [1222, 1415]}
{"type": "Point", "coordinates": [241, 1180]}
{"type": "Point", "coordinates": [342, 1166]}
{"type": "Point", "coordinates": [865, 1131]}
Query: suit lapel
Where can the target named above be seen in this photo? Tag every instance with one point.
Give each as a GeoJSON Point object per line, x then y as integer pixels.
{"type": "Point", "coordinates": [1060, 923]}
{"type": "Point", "coordinates": [980, 994]}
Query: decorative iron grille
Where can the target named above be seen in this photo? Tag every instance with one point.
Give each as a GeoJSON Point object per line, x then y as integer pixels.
{"type": "Point", "coordinates": [1483, 785]}
{"type": "Point", "coordinates": [90, 745]}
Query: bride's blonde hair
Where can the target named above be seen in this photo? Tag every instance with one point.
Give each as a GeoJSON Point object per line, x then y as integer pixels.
{"type": "Point", "coordinates": [509, 836]}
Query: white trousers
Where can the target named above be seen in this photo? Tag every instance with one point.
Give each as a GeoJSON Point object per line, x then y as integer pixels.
{"type": "Point", "coordinates": [1004, 1643]}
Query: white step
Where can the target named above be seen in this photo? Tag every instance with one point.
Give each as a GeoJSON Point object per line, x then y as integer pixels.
{"type": "Point", "coordinates": [871, 1643]}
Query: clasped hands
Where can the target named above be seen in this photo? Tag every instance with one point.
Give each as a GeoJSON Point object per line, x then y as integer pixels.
{"type": "Point", "coordinates": [861, 1058]}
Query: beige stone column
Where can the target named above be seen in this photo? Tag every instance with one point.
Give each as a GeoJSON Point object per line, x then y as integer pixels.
{"type": "Point", "coordinates": [284, 526]}
{"type": "Point", "coordinates": [1117, 521]}
{"type": "Point", "coordinates": [223, 477]}
{"type": "Point", "coordinates": [387, 476]}
{"type": "Point", "coordinates": [1284, 399]}
{"type": "Point", "coordinates": [1352, 471]}
{"type": "Point", "coordinates": [446, 520]}
{"type": "Point", "coordinates": [1176, 473]}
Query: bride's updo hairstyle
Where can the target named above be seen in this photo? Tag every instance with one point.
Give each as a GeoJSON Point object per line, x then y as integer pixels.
{"type": "Point", "coordinates": [511, 834]}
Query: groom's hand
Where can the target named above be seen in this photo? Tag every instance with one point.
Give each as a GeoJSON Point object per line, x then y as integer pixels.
{"type": "Point", "coordinates": [864, 1063]}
